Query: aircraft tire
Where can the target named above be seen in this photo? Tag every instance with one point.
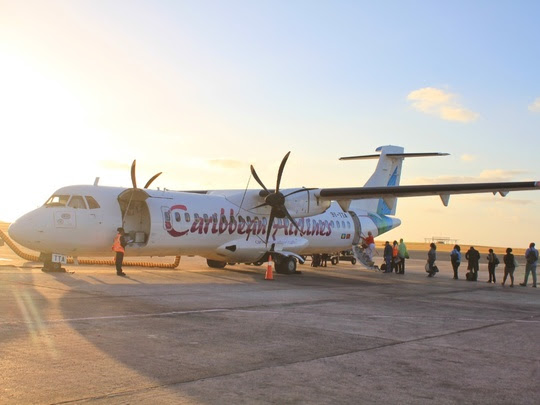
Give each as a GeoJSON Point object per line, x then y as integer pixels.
{"type": "Point", "coordinates": [215, 264]}
{"type": "Point", "coordinates": [334, 261]}
{"type": "Point", "coordinates": [286, 266]}
{"type": "Point", "coordinates": [353, 261]}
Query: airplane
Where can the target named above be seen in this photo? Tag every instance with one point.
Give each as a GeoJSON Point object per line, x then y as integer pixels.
{"type": "Point", "coordinates": [231, 226]}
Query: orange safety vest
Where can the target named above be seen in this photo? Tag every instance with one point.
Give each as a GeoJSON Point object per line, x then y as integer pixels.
{"type": "Point", "coordinates": [395, 251]}
{"type": "Point", "coordinates": [117, 246]}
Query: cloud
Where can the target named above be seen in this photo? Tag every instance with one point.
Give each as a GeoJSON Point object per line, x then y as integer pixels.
{"type": "Point", "coordinates": [500, 175]}
{"type": "Point", "coordinates": [430, 100]}
{"type": "Point", "coordinates": [495, 175]}
{"type": "Point", "coordinates": [535, 106]}
{"type": "Point", "coordinates": [468, 158]}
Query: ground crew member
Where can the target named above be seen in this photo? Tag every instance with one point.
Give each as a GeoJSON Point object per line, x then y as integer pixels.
{"type": "Point", "coordinates": [118, 246]}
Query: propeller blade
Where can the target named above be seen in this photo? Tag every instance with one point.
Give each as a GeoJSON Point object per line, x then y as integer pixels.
{"type": "Point", "coordinates": [133, 179]}
{"type": "Point", "coordinates": [293, 221]}
{"type": "Point", "coordinates": [254, 173]}
{"type": "Point", "coordinates": [280, 171]}
{"type": "Point", "coordinates": [270, 223]}
{"type": "Point", "coordinates": [259, 206]}
{"type": "Point", "coordinates": [155, 176]}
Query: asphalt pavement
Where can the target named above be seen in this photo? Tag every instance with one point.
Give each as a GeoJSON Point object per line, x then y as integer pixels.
{"type": "Point", "coordinates": [195, 335]}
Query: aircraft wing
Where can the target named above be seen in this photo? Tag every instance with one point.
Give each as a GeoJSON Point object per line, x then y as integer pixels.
{"type": "Point", "coordinates": [443, 190]}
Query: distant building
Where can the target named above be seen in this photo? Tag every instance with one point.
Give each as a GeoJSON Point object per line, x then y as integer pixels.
{"type": "Point", "coordinates": [445, 240]}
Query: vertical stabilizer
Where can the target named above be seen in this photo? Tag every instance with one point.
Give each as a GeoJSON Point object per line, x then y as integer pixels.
{"type": "Point", "coordinates": [387, 173]}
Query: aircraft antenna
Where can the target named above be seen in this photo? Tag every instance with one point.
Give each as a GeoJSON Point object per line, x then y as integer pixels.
{"type": "Point", "coordinates": [244, 196]}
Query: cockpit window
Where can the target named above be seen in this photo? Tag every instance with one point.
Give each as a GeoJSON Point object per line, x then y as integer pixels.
{"type": "Point", "coordinates": [77, 202]}
{"type": "Point", "coordinates": [57, 201]}
{"type": "Point", "coordinates": [92, 203]}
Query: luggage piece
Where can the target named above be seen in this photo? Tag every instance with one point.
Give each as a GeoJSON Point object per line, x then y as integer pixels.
{"type": "Point", "coordinates": [469, 276]}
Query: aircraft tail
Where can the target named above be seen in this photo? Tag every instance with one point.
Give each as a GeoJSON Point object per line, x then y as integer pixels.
{"type": "Point", "coordinates": [387, 173]}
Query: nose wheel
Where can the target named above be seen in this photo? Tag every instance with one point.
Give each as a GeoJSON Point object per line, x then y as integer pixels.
{"type": "Point", "coordinates": [49, 266]}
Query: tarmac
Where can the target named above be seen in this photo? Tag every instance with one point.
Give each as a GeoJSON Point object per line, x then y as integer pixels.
{"type": "Point", "coordinates": [195, 335]}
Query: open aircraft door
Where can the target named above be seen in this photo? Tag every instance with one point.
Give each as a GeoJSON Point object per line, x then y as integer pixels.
{"type": "Point", "coordinates": [135, 214]}
{"type": "Point", "coordinates": [357, 228]}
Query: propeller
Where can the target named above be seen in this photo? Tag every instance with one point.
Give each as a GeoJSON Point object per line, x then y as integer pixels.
{"type": "Point", "coordinates": [276, 199]}
{"type": "Point", "coordinates": [134, 179]}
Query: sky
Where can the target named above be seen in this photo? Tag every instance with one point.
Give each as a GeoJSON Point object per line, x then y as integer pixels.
{"type": "Point", "coordinates": [201, 89]}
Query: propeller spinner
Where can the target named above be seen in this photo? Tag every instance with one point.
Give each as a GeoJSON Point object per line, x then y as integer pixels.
{"type": "Point", "coordinates": [276, 199]}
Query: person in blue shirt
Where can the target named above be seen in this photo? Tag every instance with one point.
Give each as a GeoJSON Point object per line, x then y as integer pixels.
{"type": "Point", "coordinates": [531, 256]}
{"type": "Point", "coordinates": [455, 259]}
{"type": "Point", "coordinates": [388, 251]}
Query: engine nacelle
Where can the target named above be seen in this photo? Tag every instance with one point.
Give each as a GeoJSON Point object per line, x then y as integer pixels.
{"type": "Point", "coordinates": [304, 203]}
{"type": "Point", "coordinates": [299, 202]}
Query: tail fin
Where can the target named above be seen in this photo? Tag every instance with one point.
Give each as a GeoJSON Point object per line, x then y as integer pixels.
{"type": "Point", "coordinates": [387, 173]}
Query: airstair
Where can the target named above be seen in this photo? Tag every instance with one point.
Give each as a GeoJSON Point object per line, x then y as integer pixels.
{"type": "Point", "coordinates": [363, 258]}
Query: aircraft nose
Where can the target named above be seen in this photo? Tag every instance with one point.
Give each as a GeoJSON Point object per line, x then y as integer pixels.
{"type": "Point", "coordinates": [27, 229]}
{"type": "Point", "coordinates": [18, 231]}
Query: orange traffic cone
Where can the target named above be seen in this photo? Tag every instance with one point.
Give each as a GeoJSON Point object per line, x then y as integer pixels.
{"type": "Point", "coordinates": [269, 269]}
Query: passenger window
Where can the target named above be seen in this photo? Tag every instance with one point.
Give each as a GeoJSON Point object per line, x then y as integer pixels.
{"type": "Point", "coordinates": [187, 217]}
{"type": "Point", "coordinates": [205, 216]}
{"type": "Point", "coordinates": [92, 203]}
{"type": "Point", "coordinates": [77, 202]}
{"type": "Point", "coordinates": [177, 216]}
{"type": "Point", "coordinates": [57, 201]}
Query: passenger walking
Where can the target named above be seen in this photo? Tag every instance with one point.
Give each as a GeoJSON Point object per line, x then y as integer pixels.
{"type": "Point", "coordinates": [403, 254]}
{"type": "Point", "coordinates": [509, 266]}
{"type": "Point", "coordinates": [369, 241]}
{"type": "Point", "coordinates": [387, 257]}
{"type": "Point", "coordinates": [455, 259]}
{"type": "Point", "coordinates": [531, 256]}
{"type": "Point", "coordinates": [473, 256]}
{"type": "Point", "coordinates": [432, 256]}
{"type": "Point", "coordinates": [493, 261]}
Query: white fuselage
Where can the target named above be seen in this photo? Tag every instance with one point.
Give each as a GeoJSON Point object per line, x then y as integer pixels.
{"type": "Point", "coordinates": [219, 225]}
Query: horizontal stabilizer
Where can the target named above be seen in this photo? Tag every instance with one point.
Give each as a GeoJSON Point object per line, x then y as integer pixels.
{"type": "Point", "coordinates": [394, 155]}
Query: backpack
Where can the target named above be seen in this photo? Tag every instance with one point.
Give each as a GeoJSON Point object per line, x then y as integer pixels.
{"type": "Point", "coordinates": [531, 257]}
{"type": "Point", "coordinates": [496, 260]}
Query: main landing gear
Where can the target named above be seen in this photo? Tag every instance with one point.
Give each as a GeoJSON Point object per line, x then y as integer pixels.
{"type": "Point", "coordinates": [286, 265]}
